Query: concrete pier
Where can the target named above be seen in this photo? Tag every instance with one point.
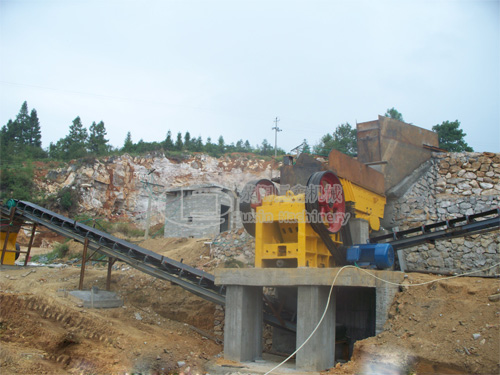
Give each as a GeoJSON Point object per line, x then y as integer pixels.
{"type": "Point", "coordinates": [243, 324]}
{"type": "Point", "coordinates": [319, 352]}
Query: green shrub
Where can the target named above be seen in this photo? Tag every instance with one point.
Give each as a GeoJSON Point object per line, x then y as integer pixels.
{"type": "Point", "coordinates": [60, 251]}
{"type": "Point", "coordinates": [129, 230]}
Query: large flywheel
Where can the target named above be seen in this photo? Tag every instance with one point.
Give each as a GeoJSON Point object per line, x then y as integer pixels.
{"type": "Point", "coordinates": [325, 206]}
{"type": "Point", "coordinates": [251, 198]}
{"type": "Point", "coordinates": [325, 199]}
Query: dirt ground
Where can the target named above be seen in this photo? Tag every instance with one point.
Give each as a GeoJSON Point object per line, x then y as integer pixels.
{"type": "Point", "coordinates": [448, 327]}
{"type": "Point", "coordinates": [445, 327]}
{"type": "Point", "coordinates": [161, 328]}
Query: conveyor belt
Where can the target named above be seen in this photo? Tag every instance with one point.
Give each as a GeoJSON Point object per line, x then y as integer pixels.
{"type": "Point", "coordinates": [462, 226]}
{"type": "Point", "coordinates": [196, 281]}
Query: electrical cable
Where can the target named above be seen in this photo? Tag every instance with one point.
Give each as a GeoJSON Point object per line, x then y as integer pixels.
{"type": "Point", "coordinates": [378, 278]}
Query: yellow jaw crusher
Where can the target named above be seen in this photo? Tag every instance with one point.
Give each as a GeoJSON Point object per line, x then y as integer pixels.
{"type": "Point", "coordinates": [308, 227]}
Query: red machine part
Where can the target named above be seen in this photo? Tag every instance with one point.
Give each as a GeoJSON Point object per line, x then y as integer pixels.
{"type": "Point", "coordinates": [330, 202]}
{"type": "Point", "coordinates": [251, 198]}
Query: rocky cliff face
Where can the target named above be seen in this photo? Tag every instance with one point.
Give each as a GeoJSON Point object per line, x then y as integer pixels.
{"type": "Point", "coordinates": [119, 187]}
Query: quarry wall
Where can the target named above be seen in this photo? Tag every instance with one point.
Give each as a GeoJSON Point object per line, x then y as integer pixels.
{"type": "Point", "coordinates": [449, 185]}
{"type": "Point", "coordinates": [119, 187]}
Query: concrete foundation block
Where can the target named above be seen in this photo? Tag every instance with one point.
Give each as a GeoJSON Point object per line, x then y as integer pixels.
{"type": "Point", "coordinates": [319, 352]}
{"type": "Point", "coordinates": [384, 295]}
{"type": "Point", "coordinates": [243, 323]}
{"type": "Point", "coordinates": [360, 231]}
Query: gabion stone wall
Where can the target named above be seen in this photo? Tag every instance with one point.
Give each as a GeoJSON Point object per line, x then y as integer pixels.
{"type": "Point", "coordinates": [456, 184]}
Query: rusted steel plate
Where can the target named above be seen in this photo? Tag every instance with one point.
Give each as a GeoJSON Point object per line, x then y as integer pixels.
{"type": "Point", "coordinates": [350, 169]}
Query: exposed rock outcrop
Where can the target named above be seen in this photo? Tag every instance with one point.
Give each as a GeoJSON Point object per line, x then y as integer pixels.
{"type": "Point", "coordinates": [120, 186]}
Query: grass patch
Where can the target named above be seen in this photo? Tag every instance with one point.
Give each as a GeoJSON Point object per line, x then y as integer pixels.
{"type": "Point", "coordinates": [129, 230]}
{"type": "Point", "coordinates": [59, 252]}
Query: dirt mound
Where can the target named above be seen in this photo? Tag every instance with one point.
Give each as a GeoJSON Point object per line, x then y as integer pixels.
{"type": "Point", "coordinates": [160, 329]}
{"type": "Point", "coordinates": [446, 327]}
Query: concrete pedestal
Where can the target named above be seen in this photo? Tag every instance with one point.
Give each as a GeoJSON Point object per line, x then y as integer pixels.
{"type": "Point", "coordinates": [243, 324]}
{"type": "Point", "coordinates": [319, 352]}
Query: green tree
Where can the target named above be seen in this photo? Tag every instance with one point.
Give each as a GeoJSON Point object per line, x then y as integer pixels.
{"type": "Point", "coordinates": [22, 125]}
{"type": "Point", "coordinates": [198, 144]}
{"type": "Point", "coordinates": [221, 145]}
{"type": "Point", "coordinates": [128, 145]}
{"type": "Point", "coordinates": [17, 180]}
{"type": "Point", "coordinates": [306, 149]}
{"type": "Point", "coordinates": [239, 146]}
{"type": "Point", "coordinates": [451, 137]}
{"type": "Point", "coordinates": [393, 113]}
{"type": "Point", "coordinates": [7, 136]}
{"type": "Point", "coordinates": [209, 147]}
{"type": "Point", "coordinates": [34, 133]}
{"type": "Point", "coordinates": [76, 140]}
{"type": "Point", "coordinates": [168, 144]}
{"type": "Point", "coordinates": [97, 144]}
{"type": "Point", "coordinates": [343, 139]}
{"type": "Point", "coordinates": [266, 148]}
{"type": "Point", "coordinates": [15, 133]}
{"type": "Point", "coordinates": [247, 146]}
{"type": "Point", "coordinates": [178, 142]}
{"type": "Point", "coordinates": [187, 141]}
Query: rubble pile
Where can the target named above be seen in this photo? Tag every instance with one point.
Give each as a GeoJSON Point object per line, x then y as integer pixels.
{"type": "Point", "coordinates": [235, 248]}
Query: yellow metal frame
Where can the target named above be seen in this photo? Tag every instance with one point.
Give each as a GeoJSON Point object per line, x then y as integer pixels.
{"type": "Point", "coordinates": [367, 204]}
{"type": "Point", "coordinates": [284, 238]}
{"type": "Point", "coordinates": [10, 253]}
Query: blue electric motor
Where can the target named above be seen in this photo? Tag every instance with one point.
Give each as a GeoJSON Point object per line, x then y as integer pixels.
{"type": "Point", "coordinates": [379, 255]}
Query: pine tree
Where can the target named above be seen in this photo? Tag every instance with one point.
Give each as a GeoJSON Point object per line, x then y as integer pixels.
{"type": "Point", "coordinates": [393, 113]}
{"type": "Point", "coordinates": [187, 141]}
{"type": "Point", "coordinates": [7, 134]}
{"type": "Point", "coordinates": [451, 137]}
{"type": "Point", "coordinates": [198, 145]}
{"type": "Point", "coordinates": [34, 133]}
{"type": "Point", "coordinates": [221, 147]}
{"type": "Point", "coordinates": [168, 144]}
{"type": "Point", "coordinates": [97, 144]}
{"type": "Point", "coordinates": [306, 149]}
{"type": "Point", "coordinates": [128, 145]}
{"type": "Point", "coordinates": [22, 124]}
{"type": "Point", "coordinates": [178, 142]}
{"type": "Point", "coordinates": [76, 140]}
{"type": "Point", "coordinates": [248, 147]}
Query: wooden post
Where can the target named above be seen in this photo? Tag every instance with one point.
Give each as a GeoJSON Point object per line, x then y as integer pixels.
{"type": "Point", "coordinates": [111, 261]}
{"type": "Point", "coordinates": [33, 231]}
{"type": "Point", "coordinates": [84, 260]}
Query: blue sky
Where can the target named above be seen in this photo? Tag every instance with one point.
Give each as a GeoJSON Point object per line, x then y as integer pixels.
{"type": "Point", "coordinates": [230, 67]}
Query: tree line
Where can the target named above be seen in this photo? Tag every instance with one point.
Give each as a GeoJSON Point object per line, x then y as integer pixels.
{"type": "Point", "coordinates": [21, 142]}
{"type": "Point", "coordinates": [344, 137]}
{"type": "Point", "coordinates": [22, 136]}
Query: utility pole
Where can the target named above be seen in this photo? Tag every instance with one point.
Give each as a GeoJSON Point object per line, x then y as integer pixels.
{"type": "Point", "coordinates": [276, 130]}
